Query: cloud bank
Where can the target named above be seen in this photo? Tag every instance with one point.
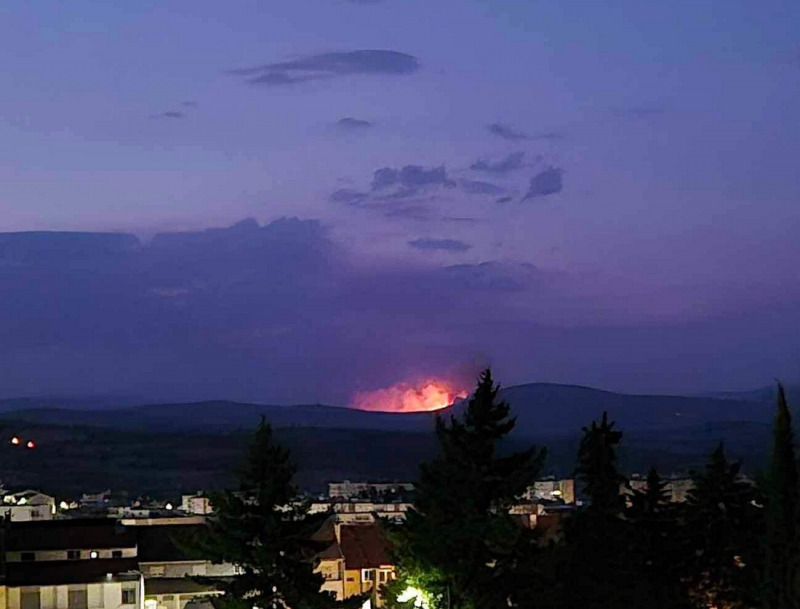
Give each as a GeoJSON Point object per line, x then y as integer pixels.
{"type": "Point", "coordinates": [279, 313]}
{"type": "Point", "coordinates": [445, 245]}
{"type": "Point", "coordinates": [507, 164]}
{"type": "Point", "coordinates": [330, 65]}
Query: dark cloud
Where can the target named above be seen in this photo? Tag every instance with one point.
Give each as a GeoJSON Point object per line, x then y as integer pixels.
{"type": "Point", "coordinates": [264, 314]}
{"type": "Point", "coordinates": [547, 182]}
{"type": "Point", "coordinates": [510, 163]}
{"type": "Point", "coordinates": [492, 276]}
{"type": "Point", "coordinates": [399, 193]}
{"type": "Point", "coordinates": [349, 196]}
{"type": "Point", "coordinates": [507, 132]}
{"type": "Point", "coordinates": [331, 65]}
{"type": "Point", "coordinates": [446, 245]}
{"type": "Point", "coordinates": [505, 199]}
{"type": "Point", "coordinates": [353, 124]}
{"type": "Point", "coordinates": [189, 104]}
{"type": "Point", "coordinates": [170, 114]}
{"type": "Point", "coordinates": [475, 187]}
{"type": "Point", "coordinates": [411, 179]}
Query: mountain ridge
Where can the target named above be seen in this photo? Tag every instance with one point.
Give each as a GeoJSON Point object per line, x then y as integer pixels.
{"type": "Point", "coordinates": [542, 409]}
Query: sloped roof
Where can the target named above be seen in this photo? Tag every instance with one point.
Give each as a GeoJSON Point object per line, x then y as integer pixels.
{"type": "Point", "coordinates": [327, 531]}
{"type": "Point", "coordinates": [364, 546]}
{"type": "Point", "coordinates": [59, 572]}
{"type": "Point", "coordinates": [77, 534]}
{"type": "Point", "coordinates": [162, 543]}
{"type": "Point", "coordinates": [332, 552]}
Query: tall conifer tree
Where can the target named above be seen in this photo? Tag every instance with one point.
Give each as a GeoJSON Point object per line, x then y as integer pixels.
{"type": "Point", "coordinates": [459, 544]}
{"type": "Point", "coordinates": [722, 536]}
{"type": "Point", "coordinates": [263, 530]}
{"type": "Point", "coordinates": [781, 560]}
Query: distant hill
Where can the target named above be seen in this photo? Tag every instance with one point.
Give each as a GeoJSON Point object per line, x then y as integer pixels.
{"type": "Point", "coordinates": [223, 416]}
{"type": "Point", "coordinates": [542, 410]}
{"type": "Point", "coordinates": [164, 449]}
{"type": "Point", "coordinates": [763, 394]}
{"type": "Point", "coordinates": [92, 403]}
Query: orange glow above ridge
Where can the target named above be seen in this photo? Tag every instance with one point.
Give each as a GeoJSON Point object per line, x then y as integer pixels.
{"type": "Point", "coordinates": [425, 396]}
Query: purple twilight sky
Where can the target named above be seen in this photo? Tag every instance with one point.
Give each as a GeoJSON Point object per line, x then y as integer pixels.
{"type": "Point", "coordinates": [602, 193]}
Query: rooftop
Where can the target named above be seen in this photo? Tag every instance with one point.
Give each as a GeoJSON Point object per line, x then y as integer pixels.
{"type": "Point", "coordinates": [59, 572]}
{"type": "Point", "coordinates": [364, 546]}
{"type": "Point", "coordinates": [73, 534]}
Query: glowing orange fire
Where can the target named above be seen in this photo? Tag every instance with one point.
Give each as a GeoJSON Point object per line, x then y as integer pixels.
{"type": "Point", "coordinates": [406, 397]}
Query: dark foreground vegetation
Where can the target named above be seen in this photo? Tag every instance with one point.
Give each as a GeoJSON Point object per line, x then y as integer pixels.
{"type": "Point", "coordinates": [732, 545]}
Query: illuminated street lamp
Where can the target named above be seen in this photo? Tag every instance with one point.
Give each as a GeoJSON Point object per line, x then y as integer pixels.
{"type": "Point", "coordinates": [420, 598]}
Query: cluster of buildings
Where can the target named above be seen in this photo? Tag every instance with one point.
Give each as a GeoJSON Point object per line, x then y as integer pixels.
{"type": "Point", "coordinates": [102, 563]}
{"type": "Point", "coordinates": [104, 552]}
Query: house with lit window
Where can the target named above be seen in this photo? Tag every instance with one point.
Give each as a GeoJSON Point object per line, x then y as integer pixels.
{"type": "Point", "coordinates": [330, 561]}
{"type": "Point", "coordinates": [356, 560]}
{"type": "Point", "coordinates": [551, 489]}
{"type": "Point", "coordinates": [71, 564]}
{"type": "Point", "coordinates": [367, 566]}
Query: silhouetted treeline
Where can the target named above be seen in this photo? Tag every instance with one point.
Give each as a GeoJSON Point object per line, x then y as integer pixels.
{"type": "Point", "coordinates": [733, 544]}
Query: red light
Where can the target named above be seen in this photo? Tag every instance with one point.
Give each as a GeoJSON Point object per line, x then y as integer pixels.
{"type": "Point", "coordinates": [31, 444]}
{"type": "Point", "coordinates": [15, 440]}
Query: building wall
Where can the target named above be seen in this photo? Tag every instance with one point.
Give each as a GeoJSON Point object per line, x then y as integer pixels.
{"type": "Point", "coordinates": [563, 489]}
{"type": "Point", "coordinates": [352, 582]}
{"type": "Point", "coordinates": [173, 601]}
{"type": "Point", "coordinates": [194, 504]}
{"type": "Point", "coordinates": [99, 596]}
{"type": "Point", "coordinates": [44, 555]}
{"type": "Point", "coordinates": [25, 513]}
{"type": "Point", "coordinates": [351, 489]}
{"type": "Point", "coordinates": [187, 568]}
{"type": "Point", "coordinates": [335, 587]}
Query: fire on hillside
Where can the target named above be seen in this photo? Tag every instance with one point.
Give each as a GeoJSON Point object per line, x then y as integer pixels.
{"type": "Point", "coordinates": [424, 396]}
